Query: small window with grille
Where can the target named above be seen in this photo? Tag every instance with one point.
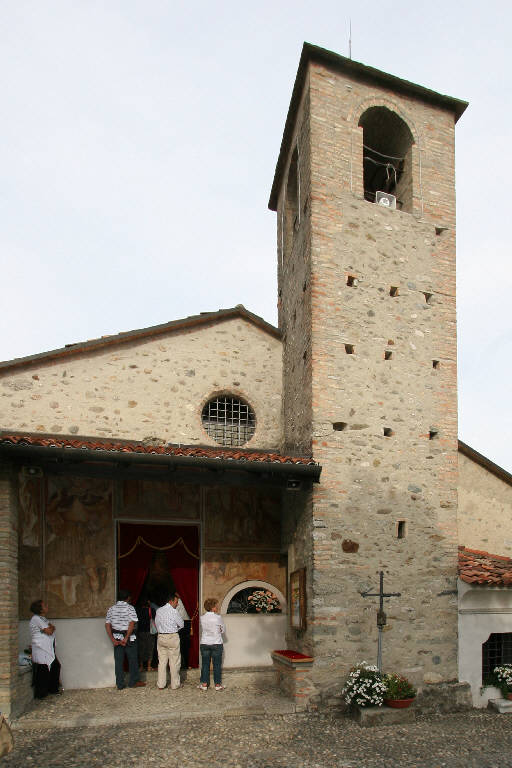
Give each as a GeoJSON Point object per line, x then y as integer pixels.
{"type": "Point", "coordinates": [497, 650]}
{"type": "Point", "coordinates": [228, 420]}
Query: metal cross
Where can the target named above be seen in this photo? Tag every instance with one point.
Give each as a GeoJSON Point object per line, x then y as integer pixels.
{"type": "Point", "coordinates": [381, 616]}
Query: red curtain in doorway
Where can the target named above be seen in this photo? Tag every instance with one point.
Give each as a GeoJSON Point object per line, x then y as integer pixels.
{"type": "Point", "coordinates": [139, 543]}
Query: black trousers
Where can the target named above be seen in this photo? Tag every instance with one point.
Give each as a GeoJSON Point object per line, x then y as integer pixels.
{"type": "Point", "coordinates": [185, 643]}
{"type": "Point", "coordinates": [45, 680]}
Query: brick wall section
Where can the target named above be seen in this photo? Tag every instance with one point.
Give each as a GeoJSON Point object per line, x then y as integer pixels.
{"type": "Point", "coordinates": [485, 509]}
{"type": "Point", "coordinates": [9, 591]}
{"type": "Point", "coordinates": [370, 481]}
{"type": "Point", "coordinates": [154, 388]}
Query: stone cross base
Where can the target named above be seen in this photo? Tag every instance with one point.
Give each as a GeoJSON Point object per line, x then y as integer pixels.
{"type": "Point", "coordinates": [368, 717]}
{"type": "Point", "coordinates": [292, 676]}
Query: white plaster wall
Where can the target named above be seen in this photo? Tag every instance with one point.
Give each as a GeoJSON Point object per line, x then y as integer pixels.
{"type": "Point", "coordinates": [87, 658]}
{"type": "Point", "coordinates": [83, 649]}
{"type": "Point", "coordinates": [482, 611]}
{"type": "Point", "coordinates": [249, 639]}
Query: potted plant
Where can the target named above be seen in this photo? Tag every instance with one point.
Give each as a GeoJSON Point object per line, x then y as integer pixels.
{"type": "Point", "coordinates": [264, 601]}
{"type": "Point", "coordinates": [364, 686]}
{"type": "Point", "coordinates": [400, 693]}
{"type": "Point", "coordinates": [503, 675]}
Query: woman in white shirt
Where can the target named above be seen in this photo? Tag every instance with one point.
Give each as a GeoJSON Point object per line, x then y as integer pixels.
{"type": "Point", "coordinates": [45, 665]}
{"type": "Point", "coordinates": [211, 646]}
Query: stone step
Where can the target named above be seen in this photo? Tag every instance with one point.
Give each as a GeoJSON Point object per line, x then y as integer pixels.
{"type": "Point", "coordinates": [235, 677]}
{"type": "Point", "coordinates": [503, 706]}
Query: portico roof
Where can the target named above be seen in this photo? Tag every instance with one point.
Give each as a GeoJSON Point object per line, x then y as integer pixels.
{"type": "Point", "coordinates": [484, 569]}
{"type": "Point", "coordinates": [44, 446]}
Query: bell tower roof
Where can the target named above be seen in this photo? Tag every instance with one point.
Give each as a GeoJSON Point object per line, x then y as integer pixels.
{"type": "Point", "coordinates": [359, 72]}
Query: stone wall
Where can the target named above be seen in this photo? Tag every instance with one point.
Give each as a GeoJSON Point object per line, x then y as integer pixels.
{"type": "Point", "coordinates": [294, 289]}
{"type": "Point", "coordinates": [485, 509]}
{"type": "Point", "coordinates": [383, 395]}
{"type": "Point", "coordinates": [153, 388]}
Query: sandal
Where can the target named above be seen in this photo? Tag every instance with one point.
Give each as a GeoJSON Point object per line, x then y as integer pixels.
{"type": "Point", "coordinates": [220, 687]}
{"type": "Point", "coordinates": [202, 687]}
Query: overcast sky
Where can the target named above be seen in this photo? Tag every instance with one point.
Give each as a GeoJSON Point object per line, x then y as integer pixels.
{"type": "Point", "coordinates": [138, 141]}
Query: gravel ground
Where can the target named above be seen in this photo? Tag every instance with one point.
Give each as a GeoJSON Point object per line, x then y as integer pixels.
{"type": "Point", "coordinates": [478, 739]}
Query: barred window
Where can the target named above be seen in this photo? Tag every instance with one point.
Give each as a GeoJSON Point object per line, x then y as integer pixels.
{"type": "Point", "coordinates": [496, 650]}
{"type": "Point", "coordinates": [228, 420]}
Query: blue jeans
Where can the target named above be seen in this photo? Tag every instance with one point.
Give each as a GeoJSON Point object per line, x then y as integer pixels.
{"type": "Point", "coordinates": [213, 653]}
{"type": "Point", "coordinates": [133, 663]}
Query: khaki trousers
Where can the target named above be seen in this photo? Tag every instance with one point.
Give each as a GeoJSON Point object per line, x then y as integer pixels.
{"type": "Point", "coordinates": [169, 653]}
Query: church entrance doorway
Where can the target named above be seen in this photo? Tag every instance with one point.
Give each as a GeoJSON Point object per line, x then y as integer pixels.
{"type": "Point", "coordinates": [155, 558]}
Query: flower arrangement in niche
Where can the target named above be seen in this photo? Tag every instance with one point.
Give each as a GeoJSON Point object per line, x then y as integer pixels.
{"type": "Point", "coordinates": [503, 674]}
{"type": "Point", "coordinates": [263, 601]}
{"type": "Point", "coordinates": [398, 688]}
{"type": "Point", "coordinates": [365, 686]}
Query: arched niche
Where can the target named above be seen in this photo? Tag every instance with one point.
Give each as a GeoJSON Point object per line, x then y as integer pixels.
{"type": "Point", "coordinates": [387, 156]}
{"type": "Point", "coordinates": [257, 585]}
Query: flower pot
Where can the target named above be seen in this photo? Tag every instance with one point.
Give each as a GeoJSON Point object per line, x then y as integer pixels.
{"type": "Point", "coordinates": [398, 703]}
{"type": "Point", "coordinates": [508, 695]}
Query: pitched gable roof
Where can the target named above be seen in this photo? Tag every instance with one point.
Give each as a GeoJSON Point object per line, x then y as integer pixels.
{"type": "Point", "coordinates": [484, 462]}
{"type": "Point", "coordinates": [174, 326]}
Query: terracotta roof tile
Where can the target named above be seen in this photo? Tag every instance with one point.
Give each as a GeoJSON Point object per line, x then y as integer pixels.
{"type": "Point", "coordinates": [133, 446]}
{"type": "Point", "coordinates": [479, 567]}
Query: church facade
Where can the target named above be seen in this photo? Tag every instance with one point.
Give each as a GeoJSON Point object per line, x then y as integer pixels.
{"type": "Point", "coordinates": [302, 460]}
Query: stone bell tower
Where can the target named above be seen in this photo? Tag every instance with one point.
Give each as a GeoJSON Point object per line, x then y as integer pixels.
{"type": "Point", "coordinates": [365, 197]}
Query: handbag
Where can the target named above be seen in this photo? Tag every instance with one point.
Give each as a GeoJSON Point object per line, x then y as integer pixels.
{"type": "Point", "coordinates": [152, 625]}
{"type": "Point", "coordinates": [6, 740]}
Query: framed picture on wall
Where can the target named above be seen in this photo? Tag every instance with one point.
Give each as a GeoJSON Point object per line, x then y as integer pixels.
{"type": "Point", "coordinates": [298, 599]}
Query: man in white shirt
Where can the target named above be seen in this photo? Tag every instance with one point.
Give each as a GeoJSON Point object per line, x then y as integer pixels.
{"type": "Point", "coordinates": [120, 627]}
{"type": "Point", "coordinates": [168, 623]}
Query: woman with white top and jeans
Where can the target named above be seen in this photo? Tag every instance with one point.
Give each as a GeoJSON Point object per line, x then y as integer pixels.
{"type": "Point", "coordinates": [211, 646]}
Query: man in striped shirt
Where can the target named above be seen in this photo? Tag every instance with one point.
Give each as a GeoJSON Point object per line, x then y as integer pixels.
{"type": "Point", "coordinates": [120, 625]}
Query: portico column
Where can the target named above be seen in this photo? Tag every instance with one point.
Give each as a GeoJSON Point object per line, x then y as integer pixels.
{"type": "Point", "coordinates": [8, 589]}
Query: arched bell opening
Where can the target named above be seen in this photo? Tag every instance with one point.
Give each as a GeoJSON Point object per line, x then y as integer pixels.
{"type": "Point", "coordinates": [387, 156]}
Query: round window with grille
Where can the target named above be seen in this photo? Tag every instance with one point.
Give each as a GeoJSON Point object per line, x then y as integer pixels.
{"type": "Point", "coordinates": [228, 420]}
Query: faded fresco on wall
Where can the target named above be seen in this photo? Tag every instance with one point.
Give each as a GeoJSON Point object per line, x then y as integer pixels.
{"type": "Point", "coordinates": [242, 534]}
{"type": "Point", "coordinates": [159, 500]}
{"type": "Point", "coordinates": [79, 547]}
{"type": "Point", "coordinates": [224, 570]}
{"type": "Point", "coordinates": [30, 586]}
{"type": "Point", "coordinates": [241, 517]}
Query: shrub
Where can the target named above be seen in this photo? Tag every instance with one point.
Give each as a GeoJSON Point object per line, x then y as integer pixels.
{"type": "Point", "coordinates": [503, 676]}
{"type": "Point", "coordinates": [398, 688]}
{"type": "Point", "coordinates": [364, 686]}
